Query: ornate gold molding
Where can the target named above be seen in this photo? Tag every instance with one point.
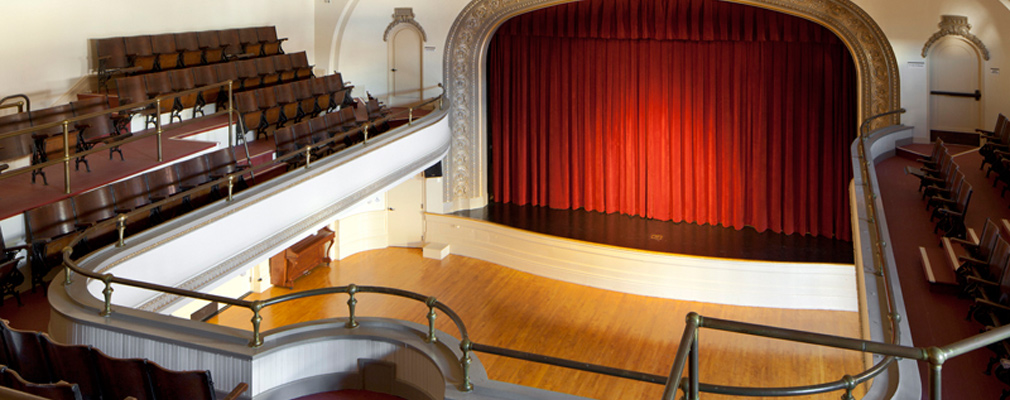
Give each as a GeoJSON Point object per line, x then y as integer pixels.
{"type": "Point", "coordinates": [955, 25]}
{"type": "Point", "coordinates": [466, 47]}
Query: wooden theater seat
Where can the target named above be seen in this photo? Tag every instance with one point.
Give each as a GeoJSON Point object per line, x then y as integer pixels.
{"type": "Point", "coordinates": [99, 129]}
{"type": "Point", "coordinates": [131, 194]}
{"type": "Point", "coordinates": [193, 173]}
{"type": "Point", "coordinates": [49, 229]}
{"type": "Point", "coordinates": [75, 364]}
{"type": "Point", "coordinates": [53, 391]}
{"type": "Point", "coordinates": [122, 377]}
{"type": "Point", "coordinates": [94, 207]}
{"type": "Point", "coordinates": [10, 276]}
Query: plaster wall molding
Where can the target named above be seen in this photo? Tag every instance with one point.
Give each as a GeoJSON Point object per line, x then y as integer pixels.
{"type": "Point", "coordinates": [955, 25]}
{"type": "Point", "coordinates": [404, 16]}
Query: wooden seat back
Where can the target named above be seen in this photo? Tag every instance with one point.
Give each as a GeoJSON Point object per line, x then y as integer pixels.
{"type": "Point", "coordinates": [76, 364]}
{"type": "Point", "coordinates": [111, 53]}
{"type": "Point", "coordinates": [140, 53]}
{"type": "Point", "coordinates": [122, 377]}
{"type": "Point", "coordinates": [26, 355]}
{"type": "Point", "coordinates": [17, 146]}
{"type": "Point", "coordinates": [53, 391]}
{"type": "Point", "coordinates": [164, 48]}
{"type": "Point", "coordinates": [210, 43]}
{"type": "Point", "coordinates": [131, 89]}
{"type": "Point", "coordinates": [190, 385]}
{"type": "Point", "coordinates": [98, 126]}
{"type": "Point", "coordinates": [96, 206]}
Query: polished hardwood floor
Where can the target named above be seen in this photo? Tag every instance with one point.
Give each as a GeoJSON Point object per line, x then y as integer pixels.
{"type": "Point", "coordinates": [507, 308]}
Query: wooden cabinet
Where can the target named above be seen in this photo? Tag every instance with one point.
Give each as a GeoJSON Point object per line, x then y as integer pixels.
{"type": "Point", "coordinates": [301, 258]}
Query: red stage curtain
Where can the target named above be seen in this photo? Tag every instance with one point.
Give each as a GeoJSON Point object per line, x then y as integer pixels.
{"type": "Point", "coordinates": [691, 110]}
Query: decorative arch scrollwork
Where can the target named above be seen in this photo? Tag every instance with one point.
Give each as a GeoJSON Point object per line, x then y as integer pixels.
{"type": "Point", "coordinates": [403, 16]}
{"type": "Point", "coordinates": [955, 25]}
{"type": "Point", "coordinates": [468, 39]}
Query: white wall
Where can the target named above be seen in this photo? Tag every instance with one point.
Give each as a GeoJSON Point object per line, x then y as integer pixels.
{"type": "Point", "coordinates": [908, 24]}
{"type": "Point", "coordinates": [46, 47]}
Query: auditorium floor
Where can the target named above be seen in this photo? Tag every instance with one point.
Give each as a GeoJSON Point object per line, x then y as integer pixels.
{"type": "Point", "coordinates": [938, 319]}
{"type": "Point", "coordinates": [666, 236]}
{"type": "Point", "coordinates": [507, 308]}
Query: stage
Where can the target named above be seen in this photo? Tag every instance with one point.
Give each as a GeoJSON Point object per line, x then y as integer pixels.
{"type": "Point", "coordinates": [665, 236]}
{"type": "Point", "coordinates": [655, 258]}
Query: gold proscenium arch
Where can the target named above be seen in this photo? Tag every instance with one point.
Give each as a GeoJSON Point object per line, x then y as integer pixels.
{"type": "Point", "coordinates": [466, 49]}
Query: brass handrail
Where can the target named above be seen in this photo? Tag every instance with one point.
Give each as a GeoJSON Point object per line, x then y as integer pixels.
{"type": "Point", "coordinates": [687, 355]}
{"type": "Point", "coordinates": [141, 106]}
{"type": "Point", "coordinates": [22, 105]}
{"type": "Point", "coordinates": [71, 267]}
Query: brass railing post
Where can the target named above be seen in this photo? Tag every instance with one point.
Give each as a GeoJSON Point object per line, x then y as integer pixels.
{"type": "Point", "coordinates": [257, 339]}
{"type": "Point", "coordinates": [21, 106]}
{"type": "Point", "coordinates": [157, 125]}
{"type": "Point", "coordinates": [692, 368]}
{"type": "Point", "coordinates": [364, 131]}
{"type": "Point", "coordinates": [308, 156]}
{"type": "Point", "coordinates": [66, 155]}
{"type": "Point", "coordinates": [431, 319]}
{"type": "Point", "coordinates": [231, 118]}
{"type": "Point", "coordinates": [464, 362]}
{"type": "Point", "coordinates": [67, 251]}
{"type": "Point", "coordinates": [351, 290]}
{"type": "Point", "coordinates": [936, 359]}
{"type": "Point", "coordinates": [121, 227]}
{"type": "Point", "coordinates": [850, 383]}
{"type": "Point", "coordinates": [231, 186]}
{"type": "Point", "coordinates": [107, 278]}
{"type": "Point", "coordinates": [410, 116]}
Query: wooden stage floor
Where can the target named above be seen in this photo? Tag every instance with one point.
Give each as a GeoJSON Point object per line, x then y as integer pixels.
{"type": "Point", "coordinates": [666, 236]}
{"type": "Point", "coordinates": [507, 308]}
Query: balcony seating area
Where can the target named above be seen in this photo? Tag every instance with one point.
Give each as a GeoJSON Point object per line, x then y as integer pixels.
{"type": "Point", "coordinates": [131, 55]}
{"type": "Point", "coordinates": [34, 363]}
{"type": "Point", "coordinates": [248, 74]}
{"type": "Point", "coordinates": [47, 142]}
{"type": "Point", "coordinates": [51, 227]}
{"type": "Point", "coordinates": [970, 265]}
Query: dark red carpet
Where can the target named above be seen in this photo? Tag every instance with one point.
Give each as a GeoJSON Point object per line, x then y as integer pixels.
{"type": "Point", "coordinates": [938, 319]}
{"type": "Point", "coordinates": [18, 194]}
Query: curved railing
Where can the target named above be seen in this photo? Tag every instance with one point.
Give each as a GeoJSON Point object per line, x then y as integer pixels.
{"type": "Point", "coordinates": [25, 104]}
{"type": "Point", "coordinates": [687, 355]}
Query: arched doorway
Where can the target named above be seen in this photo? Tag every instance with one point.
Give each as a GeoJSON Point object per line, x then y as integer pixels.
{"type": "Point", "coordinates": [955, 60]}
{"type": "Point", "coordinates": [405, 43]}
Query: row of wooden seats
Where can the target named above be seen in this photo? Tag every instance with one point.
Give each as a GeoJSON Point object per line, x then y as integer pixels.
{"type": "Point", "coordinates": [10, 276]}
{"type": "Point", "coordinates": [145, 53]}
{"type": "Point", "coordinates": [312, 132]}
{"type": "Point", "coordinates": [339, 125]}
{"type": "Point", "coordinates": [275, 106]}
{"type": "Point", "coordinates": [982, 266]}
{"type": "Point", "coordinates": [52, 226]}
{"type": "Point", "coordinates": [247, 75]}
{"type": "Point", "coordinates": [946, 191]}
{"type": "Point", "coordinates": [47, 143]}
{"type": "Point", "coordinates": [33, 362]}
{"type": "Point", "coordinates": [996, 152]}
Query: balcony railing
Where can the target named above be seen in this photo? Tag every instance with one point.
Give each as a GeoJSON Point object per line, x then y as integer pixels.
{"type": "Point", "coordinates": [687, 356]}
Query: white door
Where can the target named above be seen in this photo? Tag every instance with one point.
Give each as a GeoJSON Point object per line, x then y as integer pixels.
{"type": "Point", "coordinates": [954, 86]}
{"type": "Point", "coordinates": [406, 70]}
{"type": "Point", "coordinates": [406, 213]}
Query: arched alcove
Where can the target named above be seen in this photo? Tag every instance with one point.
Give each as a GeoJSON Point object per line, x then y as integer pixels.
{"type": "Point", "coordinates": [464, 75]}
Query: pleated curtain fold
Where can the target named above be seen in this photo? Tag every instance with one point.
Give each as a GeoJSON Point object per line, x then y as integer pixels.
{"type": "Point", "coordinates": [691, 110]}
